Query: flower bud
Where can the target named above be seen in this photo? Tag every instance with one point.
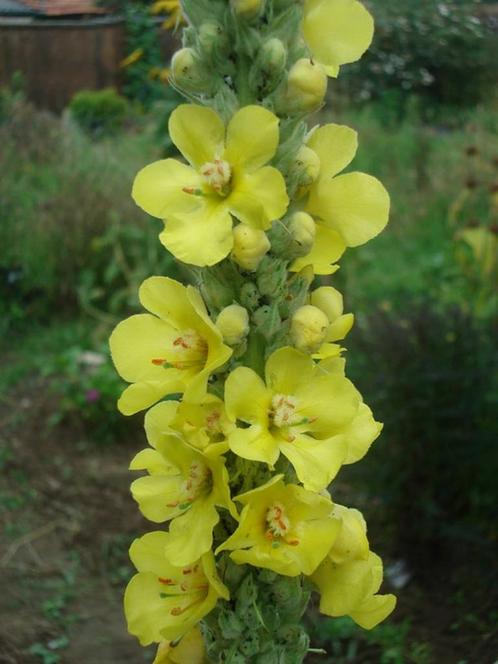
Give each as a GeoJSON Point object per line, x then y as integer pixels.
{"type": "Point", "coordinates": [272, 57]}
{"type": "Point", "coordinates": [247, 8]}
{"type": "Point", "coordinates": [306, 88]}
{"type": "Point", "coordinates": [329, 300]}
{"type": "Point", "coordinates": [186, 71]}
{"type": "Point", "coordinates": [308, 328]}
{"type": "Point", "coordinates": [249, 246]}
{"type": "Point", "coordinates": [233, 323]}
{"type": "Point", "coordinates": [249, 295]}
{"type": "Point", "coordinates": [302, 229]}
{"type": "Point", "coordinates": [306, 166]}
{"type": "Point", "coordinates": [212, 39]}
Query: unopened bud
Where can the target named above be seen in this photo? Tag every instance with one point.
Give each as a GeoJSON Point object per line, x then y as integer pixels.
{"type": "Point", "coordinates": [329, 300]}
{"type": "Point", "coordinates": [249, 246]}
{"type": "Point", "coordinates": [302, 229]}
{"type": "Point", "coordinates": [186, 71]}
{"type": "Point", "coordinates": [247, 8]}
{"type": "Point", "coordinates": [306, 87]}
{"type": "Point", "coordinates": [308, 328]}
{"type": "Point", "coordinates": [233, 323]}
{"type": "Point", "coordinates": [212, 39]}
{"type": "Point", "coordinates": [272, 57]}
{"type": "Point", "coordinates": [306, 166]}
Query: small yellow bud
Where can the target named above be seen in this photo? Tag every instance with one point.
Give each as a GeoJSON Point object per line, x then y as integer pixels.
{"type": "Point", "coordinates": [307, 165]}
{"type": "Point", "coordinates": [247, 8]}
{"type": "Point", "coordinates": [303, 229]}
{"type": "Point", "coordinates": [249, 246]}
{"type": "Point", "coordinates": [308, 328]}
{"type": "Point", "coordinates": [187, 72]}
{"type": "Point", "coordinates": [306, 87]}
{"type": "Point", "coordinates": [273, 56]}
{"type": "Point", "coordinates": [233, 323]}
{"type": "Point", "coordinates": [329, 300]}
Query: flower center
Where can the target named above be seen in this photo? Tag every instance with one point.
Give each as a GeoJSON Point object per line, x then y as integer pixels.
{"type": "Point", "coordinates": [283, 410]}
{"type": "Point", "coordinates": [198, 482]}
{"type": "Point", "coordinates": [188, 351]}
{"type": "Point", "coordinates": [217, 175]}
{"type": "Point", "coordinates": [277, 523]}
{"type": "Point", "coordinates": [189, 588]}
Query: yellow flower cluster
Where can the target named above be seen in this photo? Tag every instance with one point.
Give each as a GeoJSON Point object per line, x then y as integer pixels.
{"type": "Point", "coordinates": [235, 398]}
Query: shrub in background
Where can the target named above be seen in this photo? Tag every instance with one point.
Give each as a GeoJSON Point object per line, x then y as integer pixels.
{"type": "Point", "coordinates": [443, 50]}
{"type": "Point", "coordinates": [433, 383]}
{"type": "Point", "coordinates": [100, 112]}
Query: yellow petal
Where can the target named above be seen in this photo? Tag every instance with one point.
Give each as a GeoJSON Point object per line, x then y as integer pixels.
{"type": "Point", "coordinates": [336, 147]}
{"type": "Point", "coordinates": [190, 650]}
{"type": "Point", "coordinates": [203, 238]}
{"type": "Point", "coordinates": [329, 300]}
{"type": "Point", "coordinates": [159, 188]}
{"type": "Point", "coordinates": [329, 402]}
{"type": "Point", "coordinates": [144, 608]}
{"type": "Point", "coordinates": [356, 205]}
{"type": "Point", "coordinates": [360, 434]}
{"type": "Point", "coordinates": [198, 132]}
{"type": "Point", "coordinates": [286, 369]}
{"type": "Point", "coordinates": [342, 587]}
{"type": "Point", "coordinates": [259, 198]}
{"type": "Point", "coordinates": [252, 137]}
{"type": "Point", "coordinates": [340, 327]}
{"type": "Point", "coordinates": [154, 495]}
{"type": "Point", "coordinates": [139, 396]}
{"type": "Point", "coordinates": [158, 421]}
{"type": "Point", "coordinates": [167, 298]}
{"type": "Point", "coordinates": [352, 542]}
{"type": "Point", "coordinates": [316, 462]}
{"type": "Point", "coordinates": [246, 396]}
{"type": "Point", "coordinates": [374, 610]}
{"type": "Point", "coordinates": [327, 248]}
{"type": "Point", "coordinates": [151, 461]}
{"type": "Point", "coordinates": [337, 31]}
{"type": "Point", "coordinates": [255, 443]}
{"type": "Point", "coordinates": [191, 534]}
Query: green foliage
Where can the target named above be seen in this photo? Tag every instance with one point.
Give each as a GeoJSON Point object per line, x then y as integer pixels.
{"type": "Point", "coordinates": [99, 112]}
{"type": "Point", "coordinates": [432, 381]}
{"type": "Point", "coordinates": [85, 384]}
{"type": "Point", "coordinates": [441, 49]}
{"type": "Point", "coordinates": [70, 233]}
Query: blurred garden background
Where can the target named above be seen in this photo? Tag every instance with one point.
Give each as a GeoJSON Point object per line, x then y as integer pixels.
{"type": "Point", "coordinates": [74, 248]}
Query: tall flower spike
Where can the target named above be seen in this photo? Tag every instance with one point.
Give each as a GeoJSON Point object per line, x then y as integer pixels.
{"type": "Point", "coordinates": [251, 413]}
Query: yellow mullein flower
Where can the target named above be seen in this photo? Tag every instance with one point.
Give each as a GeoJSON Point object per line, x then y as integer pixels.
{"type": "Point", "coordinates": [351, 589]}
{"type": "Point", "coordinates": [363, 429]}
{"type": "Point", "coordinates": [132, 58]}
{"type": "Point", "coordinates": [348, 209]}
{"type": "Point", "coordinates": [300, 412]}
{"type": "Point", "coordinates": [200, 424]}
{"type": "Point", "coordinates": [184, 485]}
{"type": "Point", "coordinates": [227, 176]}
{"type": "Point", "coordinates": [171, 7]}
{"type": "Point", "coordinates": [484, 245]}
{"type": "Point", "coordinates": [190, 650]}
{"type": "Point", "coordinates": [174, 348]}
{"type": "Point", "coordinates": [336, 31]}
{"type": "Point", "coordinates": [283, 528]}
{"type": "Point", "coordinates": [349, 578]}
{"type": "Point", "coordinates": [164, 601]}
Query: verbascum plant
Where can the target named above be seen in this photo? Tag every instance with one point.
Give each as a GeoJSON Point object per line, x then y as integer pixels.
{"type": "Point", "coordinates": [251, 414]}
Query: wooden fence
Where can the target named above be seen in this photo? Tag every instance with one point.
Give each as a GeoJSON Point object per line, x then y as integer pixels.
{"type": "Point", "coordinates": [58, 58]}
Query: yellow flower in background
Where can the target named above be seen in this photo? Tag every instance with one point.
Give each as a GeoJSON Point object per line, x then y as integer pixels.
{"type": "Point", "coordinates": [190, 650]}
{"type": "Point", "coordinates": [337, 32]}
{"type": "Point", "coordinates": [130, 60]}
{"type": "Point", "coordinates": [173, 349]}
{"type": "Point", "coordinates": [171, 7]}
{"type": "Point", "coordinates": [184, 486]}
{"type": "Point", "coordinates": [200, 424]}
{"type": "Point", "coordinates": [283, 528]}
{"type": "Point", "coordinates": [227, 176]}
{"type": "Point", "coordinates": [164, 601]}
{"type": "Point", "coordinates": [300, 412]}
{"type": "Point", "coordinates": [350, 589]}
{"type": "Point", "coordinates": [484, 245]}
